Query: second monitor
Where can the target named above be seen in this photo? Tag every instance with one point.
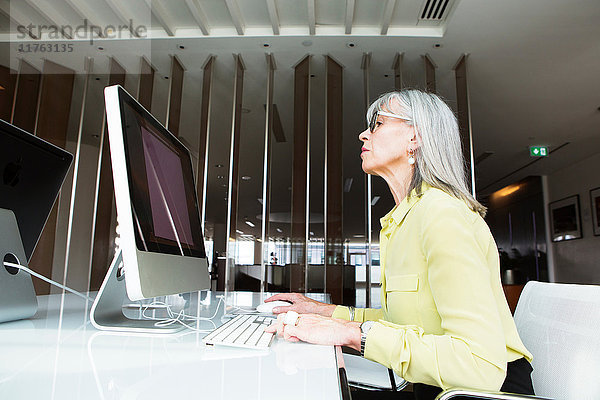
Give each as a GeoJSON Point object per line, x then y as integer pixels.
{"type": "Point", "coordinates": [161, 238]}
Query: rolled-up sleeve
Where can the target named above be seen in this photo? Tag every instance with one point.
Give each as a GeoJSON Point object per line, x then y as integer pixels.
{"type": "Point", "coordinates": [471, 351]}
{"type": "Point", "coordinates": [360, 314]}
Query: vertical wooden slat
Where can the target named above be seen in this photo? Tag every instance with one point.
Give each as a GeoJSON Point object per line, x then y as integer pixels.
{"type": "Point", "coordinates": [334, 244]}
{"type": "Point", "coordinates": [234, 161]}
{"type": "Point", "coordinates": [103, 237]}
{"type": "Point", "coordinates": [175, 93]}
{"type": "Point", "coordinates": [25, 105]}
{"type": "Point", "coordinates": [8, 83]}
{"type": "Point", "coordinates": [429, 73]}
{"type": "Point", "coordinates": [146, 84]}
{"type": "Point", "coordinates": [52, 125]}
{"type": "Point", "coordinates": [464, 118]}
{"type": "Point", "coordinates": [397, 67]}
{"type": "Point", "coordinates": [266, 195]}
{"type": "Point", "coordinates": [366, 66]}
{"type": "Point", "coordinates": [299, 266]}
{"type": "Point", "coordinates": [202, 167]}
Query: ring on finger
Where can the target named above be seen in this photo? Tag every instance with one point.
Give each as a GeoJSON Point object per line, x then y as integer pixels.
{"type": "Point", "coordinates": [291, 318]}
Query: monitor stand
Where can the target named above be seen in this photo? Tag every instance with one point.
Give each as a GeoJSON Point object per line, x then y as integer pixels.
{"type": "Point", "coordinates": [107, 311]}
{"type": "Point", "coordinates": [17, 295]}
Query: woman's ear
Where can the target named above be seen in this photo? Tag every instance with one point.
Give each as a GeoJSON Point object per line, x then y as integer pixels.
{"type": "Point", "coordinates": [413, 139]}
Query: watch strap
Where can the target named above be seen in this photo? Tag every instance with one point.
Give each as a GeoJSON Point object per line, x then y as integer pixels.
{"type": "Point", "coordinates": [363, 342]}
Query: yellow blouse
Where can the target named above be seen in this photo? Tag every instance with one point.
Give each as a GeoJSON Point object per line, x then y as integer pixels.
{"type": "Point", "coordinates": [444, 319]}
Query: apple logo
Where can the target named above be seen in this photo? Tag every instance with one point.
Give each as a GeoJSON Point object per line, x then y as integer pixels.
{"type": "Point", "coordinates": [12, 173]}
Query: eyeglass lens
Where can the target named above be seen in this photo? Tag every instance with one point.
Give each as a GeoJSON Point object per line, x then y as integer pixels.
{"type": "Point", "coordinates": [373, 121]}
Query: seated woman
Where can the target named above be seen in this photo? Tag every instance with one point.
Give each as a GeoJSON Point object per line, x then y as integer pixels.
{"type": "Point", "coordinates": [444, 320]}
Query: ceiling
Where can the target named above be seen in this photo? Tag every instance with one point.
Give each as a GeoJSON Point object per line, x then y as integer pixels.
{"type": "Point", "coordinates": [532, 72]}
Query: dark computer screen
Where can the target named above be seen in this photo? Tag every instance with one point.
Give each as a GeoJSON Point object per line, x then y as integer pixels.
{"type": "Point", "coordinates": [31, 174]}
{"type": "Point", "coordinates": [161, 184]}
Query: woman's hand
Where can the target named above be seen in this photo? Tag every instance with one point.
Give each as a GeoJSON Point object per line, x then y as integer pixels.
{"type": "Point", "coordinates": [301, 304]}
{"type": "Point", "coordinates": [317, 329]}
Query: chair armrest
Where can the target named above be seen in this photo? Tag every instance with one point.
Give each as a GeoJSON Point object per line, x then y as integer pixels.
{"type": "Point", "coordinates": [480, 394]}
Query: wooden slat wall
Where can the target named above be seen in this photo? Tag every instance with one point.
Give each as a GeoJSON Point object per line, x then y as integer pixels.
{"type": "Point", "coordinates": [300, 165]}
{"type": "Point", "coordinates": [207, 82]}
{"type": "Point", "coordinates": [176, 91]}
{"type": "Point", "coordinates": [397, 67]}
{"type": "Point", "coordinates": [463, 112]}
{"type": "Point", "coordinates": [52, 125]}
{"type": "Point", "coordinates": [269, 118]}
{"type": "Point", "coordinates": [334, 242]}
{"type": "Point", "coordinates": [368, 184]}
{"type": "Point", "coordinates": [103, 246]}
{"type": "Point", "coordinates": [8, 82]}
{"type": "Point", "coordinates": [234, 163]}
{"type": "Point", "coordinates": [26, 101]}
{"type": "Point", "coordinates": [429, 74]}
{"type": "Point", "coordinates": [146, 84]}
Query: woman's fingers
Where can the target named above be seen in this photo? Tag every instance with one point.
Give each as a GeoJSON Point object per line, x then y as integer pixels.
{"type": "Point", "coordinates": [284, 296]}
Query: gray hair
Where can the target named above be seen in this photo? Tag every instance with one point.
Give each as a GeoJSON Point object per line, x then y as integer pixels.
{"type": "Point", "coordinates": [439, 158]}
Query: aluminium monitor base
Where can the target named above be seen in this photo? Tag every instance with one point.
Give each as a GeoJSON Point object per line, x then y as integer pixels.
{"type": "Point", "coordinates": [17, 295]}
{"type": "Point", "coordinates": [107, 314]}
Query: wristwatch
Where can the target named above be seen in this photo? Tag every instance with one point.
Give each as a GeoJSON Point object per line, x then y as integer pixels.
{"type": "Point", "coordinates": [351, 310]}
{"type": "Point", "coordinates": [365, 327]}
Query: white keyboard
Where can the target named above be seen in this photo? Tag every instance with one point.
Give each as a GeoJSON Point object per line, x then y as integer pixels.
{"type": "Point", "coordinates": [245, 330]}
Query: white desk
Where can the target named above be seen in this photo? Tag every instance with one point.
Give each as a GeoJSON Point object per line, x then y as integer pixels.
{"type": "Point", "coordinates": [59, 355]}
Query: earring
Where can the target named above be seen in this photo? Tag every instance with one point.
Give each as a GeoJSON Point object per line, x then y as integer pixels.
{"type": "Point", "coordinates": [411, 156]}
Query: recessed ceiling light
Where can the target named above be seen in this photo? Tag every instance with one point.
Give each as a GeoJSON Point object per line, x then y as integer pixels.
{"type": "Point", "coordinates": [181, 47]}
{"type": "Point", "coordinates": [279, 230]}
{"type": "Point", "coordinates": [249, 223]}
{"type": "Point", "coordinates": [218, 165]}
{"type": "Point", "coordinates": [166, 77]}
{"type": "Point", "coordinates": [240, 232]}
{"type": "Point", "coordinates": [266, 45]}
{"type": "Point", "coordinates": [95, 136]}
{"type": "Point", "coordinates": [307, 43]}
{"type": "Point", "coordinates": [437, 45]}
{"type": "Point", "coordinates": [220, 176]}
{"type": "Point", "coordinates": [246, 178]}
{"type": "Point", "coordinates": [375, 200]}
{"type": "Point", "coordinates": [100, 48]}
{"type": "Point", "coordinates": [350, 44]}
{"type": "Point", "coordinates": [358, 236]}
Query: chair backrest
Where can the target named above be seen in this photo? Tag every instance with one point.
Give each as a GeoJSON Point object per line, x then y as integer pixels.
{"type": "Point", "coordinates": [560, 325]}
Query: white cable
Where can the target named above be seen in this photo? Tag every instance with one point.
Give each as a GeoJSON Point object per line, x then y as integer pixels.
{"type": "Point", "coordinates": [180, 317]}
{"type": "Point", "coordinates": [24, 268]}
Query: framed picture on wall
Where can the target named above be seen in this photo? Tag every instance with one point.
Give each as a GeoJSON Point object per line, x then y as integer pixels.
{"type": "Point", "coordinates": [565, 219]}
{"type": "Point", "coordinates": [595, 206]}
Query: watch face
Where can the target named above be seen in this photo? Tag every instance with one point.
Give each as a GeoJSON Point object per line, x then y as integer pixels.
{"type": "Point", "coordinates": [366, 326]}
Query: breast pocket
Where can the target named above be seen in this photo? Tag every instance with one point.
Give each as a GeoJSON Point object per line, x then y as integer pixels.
{"type": "Point", "coordinates": [403, 299]}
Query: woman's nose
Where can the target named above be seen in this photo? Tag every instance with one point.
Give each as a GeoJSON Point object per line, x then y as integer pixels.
{"type": "Point", "coordinates": [363, 136]}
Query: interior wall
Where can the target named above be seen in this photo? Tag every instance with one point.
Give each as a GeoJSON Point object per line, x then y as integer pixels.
{"type": "Point", "coordinates": [577, 261]}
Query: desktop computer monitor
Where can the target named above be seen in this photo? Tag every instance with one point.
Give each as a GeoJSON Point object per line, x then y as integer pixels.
{"type": "Point", "coordinates": [161, 241]}
{"type": "Point", "coordinates": [32, 172]}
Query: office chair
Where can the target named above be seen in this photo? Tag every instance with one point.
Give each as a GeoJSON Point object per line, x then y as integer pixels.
{"type": "Point", "coordinates": [560, 325]}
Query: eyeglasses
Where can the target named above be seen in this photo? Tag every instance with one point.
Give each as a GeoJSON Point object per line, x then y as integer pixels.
{"type": "Point", "coordinates": [376, 114]}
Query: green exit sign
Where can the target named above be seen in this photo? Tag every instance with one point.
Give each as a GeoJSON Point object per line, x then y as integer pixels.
{"type": "Point", "coordinates": [538, 151]}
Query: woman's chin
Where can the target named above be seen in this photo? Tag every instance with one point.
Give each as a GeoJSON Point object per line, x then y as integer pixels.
{"type": "Point", "coordinates": [368, 170]}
